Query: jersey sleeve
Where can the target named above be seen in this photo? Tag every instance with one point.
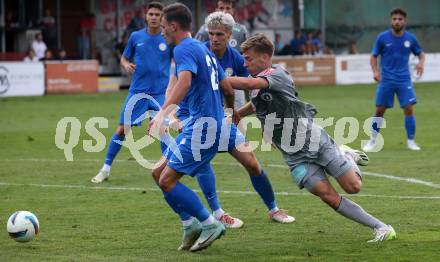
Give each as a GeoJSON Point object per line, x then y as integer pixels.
{"type": "Point", "coordinates": [415, 47]}
{"type": "Point", "coordinates": [185, 61]}
{"type": "Point", "coordinates": [130, 48]}
{"type": "Point", "coordinates": [377, 47]}
{"type": "Point", "coordinates": [202, 34]}
{"type": "Point", "coordinates": [277, 78]}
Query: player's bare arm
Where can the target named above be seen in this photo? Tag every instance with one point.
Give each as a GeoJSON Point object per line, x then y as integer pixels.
{"type": "Point", "coordinates": [179, 91]}
{"type": "Point", "coordinates": [248, 83]}
{"type": "Point", "coordinates": [246, 110]}
{"type": "Point", "coordinates": [374, 67]}
{"type": "Point", "coordinates": [128, 66]}
{"type": "Point", "coordinates": [420, 67]}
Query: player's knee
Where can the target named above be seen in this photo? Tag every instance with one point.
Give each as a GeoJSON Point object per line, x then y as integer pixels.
{"type": "Point", "coordinates": [156, 174]}
{"type": "Point", "coordinates": [165, 184]}
{"type": "Point", "coordinates": [353, 187]}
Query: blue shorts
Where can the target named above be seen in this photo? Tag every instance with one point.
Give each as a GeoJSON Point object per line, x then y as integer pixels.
{"type": "Point", "coordinates": [138, 107]}
{"type": "Point", "coordinates": [385, 94]}
{"type": "Point", "coordinates": [230, 140]}
{"type": "Point", "coordinates": [185, 161]}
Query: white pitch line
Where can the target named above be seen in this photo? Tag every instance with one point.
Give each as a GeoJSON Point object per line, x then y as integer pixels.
{"type": "Point", "coordinates": [232, 192]}
{"type": "Point", "coordinates": [398, 178]}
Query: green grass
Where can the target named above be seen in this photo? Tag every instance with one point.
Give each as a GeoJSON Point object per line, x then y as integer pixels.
{"type": "Point", "coordinates": [133, 223]}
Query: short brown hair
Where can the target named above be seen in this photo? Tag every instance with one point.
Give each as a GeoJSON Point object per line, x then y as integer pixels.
{"type": "Point", "coordinates": [398, 11]}
{"type": "Point", "coordinates": [180, 14]}
{"type": "Point", "coordinates": [260, 43]}
{"type": "Point", "coordinates": [228, 2]}
{"type": "Point", "coordinates": [155, 4]}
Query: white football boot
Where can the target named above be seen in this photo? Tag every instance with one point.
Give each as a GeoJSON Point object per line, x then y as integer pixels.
{"type": "Point", "coordinates": [101, 176]}
{"type": "Point", "coordinates": [281, 216]}
{"type": "Point", "coordinates": [370, 146]}
{"type": "Point", "coordinates": [230, 222]}
{"type": "Point", "coordinates": [412, 145]}
{"type": "Point", "coordinates": [383, 234]}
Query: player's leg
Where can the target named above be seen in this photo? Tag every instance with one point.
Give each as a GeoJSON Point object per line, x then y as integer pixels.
{"type": "Point", "coordinates": [132, 112]}
{"type": "Point", "coordinates": [343, 168]}
{"type": "Point", "coordinates": [407, 100]}
{"type": "Point", "coordinates": [113, 149]}
{"type": "Point", "coordinates": [384, 100]}
{"type": "Point", "coordinates": [206, 179]}
{"type": "Point", "coordinates": [261, 183]}
{"type": "Point", "coordinates": [239, 149]}
{"type": "Point", "coordinates": [179, 194]}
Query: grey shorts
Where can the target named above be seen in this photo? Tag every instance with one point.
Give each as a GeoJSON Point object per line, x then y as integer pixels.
{"type": "Point", "coordinates": [307, 174]}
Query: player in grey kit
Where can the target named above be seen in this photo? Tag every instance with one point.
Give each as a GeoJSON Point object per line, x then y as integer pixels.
{"type": "Point", "coordinates": [307, 148]}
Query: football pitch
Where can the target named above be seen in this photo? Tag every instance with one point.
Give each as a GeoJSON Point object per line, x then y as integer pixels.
{"type": "Point", "coordinates": [127, 219]}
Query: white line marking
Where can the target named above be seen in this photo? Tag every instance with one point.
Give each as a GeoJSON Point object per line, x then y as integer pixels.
{"type": "Point", "coordinates": [398, 178]}
{"type": "Point", "coordinates": [232, 192]}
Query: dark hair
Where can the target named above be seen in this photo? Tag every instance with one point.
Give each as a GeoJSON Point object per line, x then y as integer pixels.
{"type": "Point", "coordinates": [180, 14]}
{"type": "Point", "coordinates": [228, 2]}
{"type": "Point", "coordinates": [155, 4]}
{"type": "Point", "coordinates": [398, 11]}
{"type": "Point", "coordinates": [258, 43]}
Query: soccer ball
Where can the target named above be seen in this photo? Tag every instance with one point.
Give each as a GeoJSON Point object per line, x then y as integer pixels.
{"type": "Point", "coordinates": [23, 226]}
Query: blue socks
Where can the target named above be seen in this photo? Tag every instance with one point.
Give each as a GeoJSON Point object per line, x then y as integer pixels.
{"type": "Point", "coordinates": [177, 209]}
{"type": "Point", "coordinates": [207, 184]}
{"type": "Point", "coordinates": [410, 126]}
{"type": "Point", "coordinates": [263, 187]}
{"type": "Point", "coordinates": [183, 197]}
{"type": "Point", "coordinates": [113, 148]}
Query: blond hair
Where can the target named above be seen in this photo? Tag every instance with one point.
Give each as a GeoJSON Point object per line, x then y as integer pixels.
{"type": "Point", "coordinates": [259, 43]}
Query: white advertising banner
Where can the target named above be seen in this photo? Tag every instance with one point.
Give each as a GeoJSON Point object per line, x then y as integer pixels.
{"type": "Point", "coordinates": [21, 79]}
{"type": "Point", "coordinates": [355, 69]}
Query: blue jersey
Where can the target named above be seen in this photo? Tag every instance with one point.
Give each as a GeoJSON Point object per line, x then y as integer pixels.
{"type": "Point", "coordinates": [232, 62]}
{"type": "Point", "coordinates": [152, 57]}
{"type": "Point", "coordinates": [204, 98]}
{"type": "Point", "coordinates": [395, 52]}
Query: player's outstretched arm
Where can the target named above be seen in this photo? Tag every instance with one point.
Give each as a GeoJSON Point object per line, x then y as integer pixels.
{"type": "Point", "coordinates": [248, 83]}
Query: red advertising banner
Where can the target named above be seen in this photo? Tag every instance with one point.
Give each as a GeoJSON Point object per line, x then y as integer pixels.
{"type": "Point", "coordinates": [72, 76]}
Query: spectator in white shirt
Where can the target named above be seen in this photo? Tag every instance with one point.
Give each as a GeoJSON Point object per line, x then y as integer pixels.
{"type": "Point", "coordinates": [31, 57]}
{"type": "Point", "coordinates": [39, 46]}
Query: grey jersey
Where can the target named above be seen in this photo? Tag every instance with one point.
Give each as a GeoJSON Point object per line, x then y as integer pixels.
{"type": "Point", "coordinates": [286, 120]}
{"type": "Point", "coordinates": [239, 35]}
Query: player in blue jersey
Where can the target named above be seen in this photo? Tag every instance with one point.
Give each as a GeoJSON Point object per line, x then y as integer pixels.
{"type": "Point", "coordinates": [198, 80]}
{"type": "Point", "coordinates": [394, 46]}
{"type": "Point", "coordinates": [220, 26]}
{"type": "Point", "coordinates": [147, 57]}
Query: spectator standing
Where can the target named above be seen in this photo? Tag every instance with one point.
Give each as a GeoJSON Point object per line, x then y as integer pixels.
{"type": "Point", "coordinates": [39, 46]}
{"type": "Point", "coordinates": [84, 36]}
{"type": "Point", "coordinates": [49, 29]}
